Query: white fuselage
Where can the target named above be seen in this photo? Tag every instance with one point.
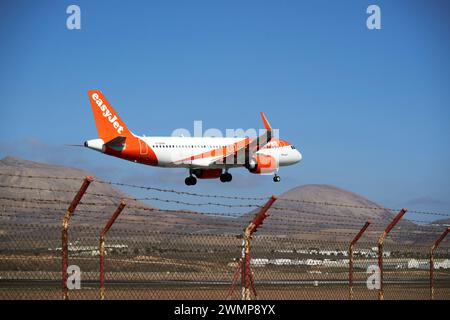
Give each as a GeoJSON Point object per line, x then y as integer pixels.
{"type": "Point", "coordinates": [179, 151]}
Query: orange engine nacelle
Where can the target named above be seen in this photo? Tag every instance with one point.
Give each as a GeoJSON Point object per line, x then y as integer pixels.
{"type": "Point", "coordinates": [207, 173]}
{"type": "Point", "coordinates": [263, 164]}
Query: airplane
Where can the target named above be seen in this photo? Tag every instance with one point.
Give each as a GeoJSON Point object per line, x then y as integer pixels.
{"type": "Point", "coordinates": [204, 157]}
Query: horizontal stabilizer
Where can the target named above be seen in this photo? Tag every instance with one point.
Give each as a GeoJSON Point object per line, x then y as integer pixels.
{"type": "Point", "coordinates": [118, 143]}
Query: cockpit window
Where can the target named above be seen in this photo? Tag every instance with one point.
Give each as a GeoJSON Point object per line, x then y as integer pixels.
{"type": "Point", "coordinates": [292, 147]}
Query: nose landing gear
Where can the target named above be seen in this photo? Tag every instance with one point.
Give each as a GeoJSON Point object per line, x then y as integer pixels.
{"type": "Point", "coordinates": [276, 178]}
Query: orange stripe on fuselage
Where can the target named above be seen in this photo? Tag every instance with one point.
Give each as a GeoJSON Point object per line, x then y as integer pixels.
{"type": "Point", "coordinates": [220, 152]}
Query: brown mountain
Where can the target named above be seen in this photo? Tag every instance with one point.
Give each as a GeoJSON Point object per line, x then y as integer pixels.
{"type": "Point", "coordinates": [324, 203]}
{"type": "Point", "coordinates": [327, 212]}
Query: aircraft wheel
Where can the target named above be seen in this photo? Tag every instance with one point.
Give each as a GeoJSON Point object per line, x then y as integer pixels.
{"type": "Point", "coordinates": [190, 181]}
{"type": "Point", "coordinates": [276, 178]}
{"type": "Point", "coordinates": [226, 177]}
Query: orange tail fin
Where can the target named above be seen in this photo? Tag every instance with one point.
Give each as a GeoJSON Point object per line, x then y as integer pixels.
{"type": "Point", "coordinates": [109, 125]}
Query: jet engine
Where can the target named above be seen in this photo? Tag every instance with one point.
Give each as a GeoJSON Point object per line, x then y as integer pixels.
{"type": "Point", "coordinates": [262, 164]}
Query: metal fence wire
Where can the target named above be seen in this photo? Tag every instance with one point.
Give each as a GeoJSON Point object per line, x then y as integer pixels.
{"type": "Point", "coordinates": [300, 251]}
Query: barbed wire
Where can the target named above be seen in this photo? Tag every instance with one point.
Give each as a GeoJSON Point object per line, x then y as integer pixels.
{"type": "Point", "coordinates": [203, 214]}
{"type": "Point", "coordinates": [89, 204]}
{"type": "Point", "coordinates": [223, 196]}
{"type": "Point", "coordinates": [315, 221]}
{"type": "Point", "coordinates": [275, 207]}
{"type": "Point", "coordinates": [58, 201]}
{"type": "Point", "coordinates": [139, 187]}
{"type": "Point", "coordinates": [339, 221]}
{"type": "Point", "coordinates": [137, 199]}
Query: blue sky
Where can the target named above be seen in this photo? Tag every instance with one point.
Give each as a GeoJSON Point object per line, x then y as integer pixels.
{"type": "Point", "coordinates": [369, 110]}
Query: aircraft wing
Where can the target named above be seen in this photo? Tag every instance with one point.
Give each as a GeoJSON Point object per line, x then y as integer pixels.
{"type": "Point", "coordinates": [241, 152]}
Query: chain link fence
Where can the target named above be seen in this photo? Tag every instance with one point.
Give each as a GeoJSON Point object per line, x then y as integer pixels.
{"type": "Point", "coordinates": [181, 252]}
{"type": "Point", "coordinates": [142, 264]}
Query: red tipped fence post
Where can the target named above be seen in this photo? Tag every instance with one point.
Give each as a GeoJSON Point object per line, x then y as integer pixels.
{"type": "Point", "coordinates": [102, 248]}
{"type": "Point", "coordinates": [243, 266]}
{"type": "Point", "coordinates": [380, 248]}
{"type": "Point", "coordinates": [65, 233]}
{"type": "Point", "coordinates": [350, 258]}
{"type": "Point", "coordinates": [247, 278]}
{"type": "Point", "coordinates": [433, 248]}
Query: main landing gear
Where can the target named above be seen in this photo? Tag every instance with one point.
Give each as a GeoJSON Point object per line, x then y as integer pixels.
{"type": "Point", "coordinates": [276, 178]}
{"type": "Point", "coordinates": [226, 177]}
{"type": "Point", "coordinates": [190, 181]}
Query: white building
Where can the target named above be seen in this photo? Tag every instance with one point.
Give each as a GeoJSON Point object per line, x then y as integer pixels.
{"type": "Point", "coordinates": [442, 264]}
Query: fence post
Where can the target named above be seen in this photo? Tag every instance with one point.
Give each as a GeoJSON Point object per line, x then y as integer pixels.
{"type": "Point", "coordinates": [350, 257]}
{"type": "Point", "coordinates": [65, 233]}
{"type": "Point", "coordinates": [380, 248]}
{"type": "Point", "coordinates": [102, 248]}
{"type": "Point", "coordinates": [246, 277]}
{"type": "Point", "coordinates": [433, 248]}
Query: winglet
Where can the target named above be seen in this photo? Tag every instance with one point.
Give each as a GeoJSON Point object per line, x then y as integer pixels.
{"type": "Point", "coordinates": [266, 123]}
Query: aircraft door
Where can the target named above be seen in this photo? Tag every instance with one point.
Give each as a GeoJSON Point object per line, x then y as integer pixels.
{"type": "Point", "coordinates": [143, 148]}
